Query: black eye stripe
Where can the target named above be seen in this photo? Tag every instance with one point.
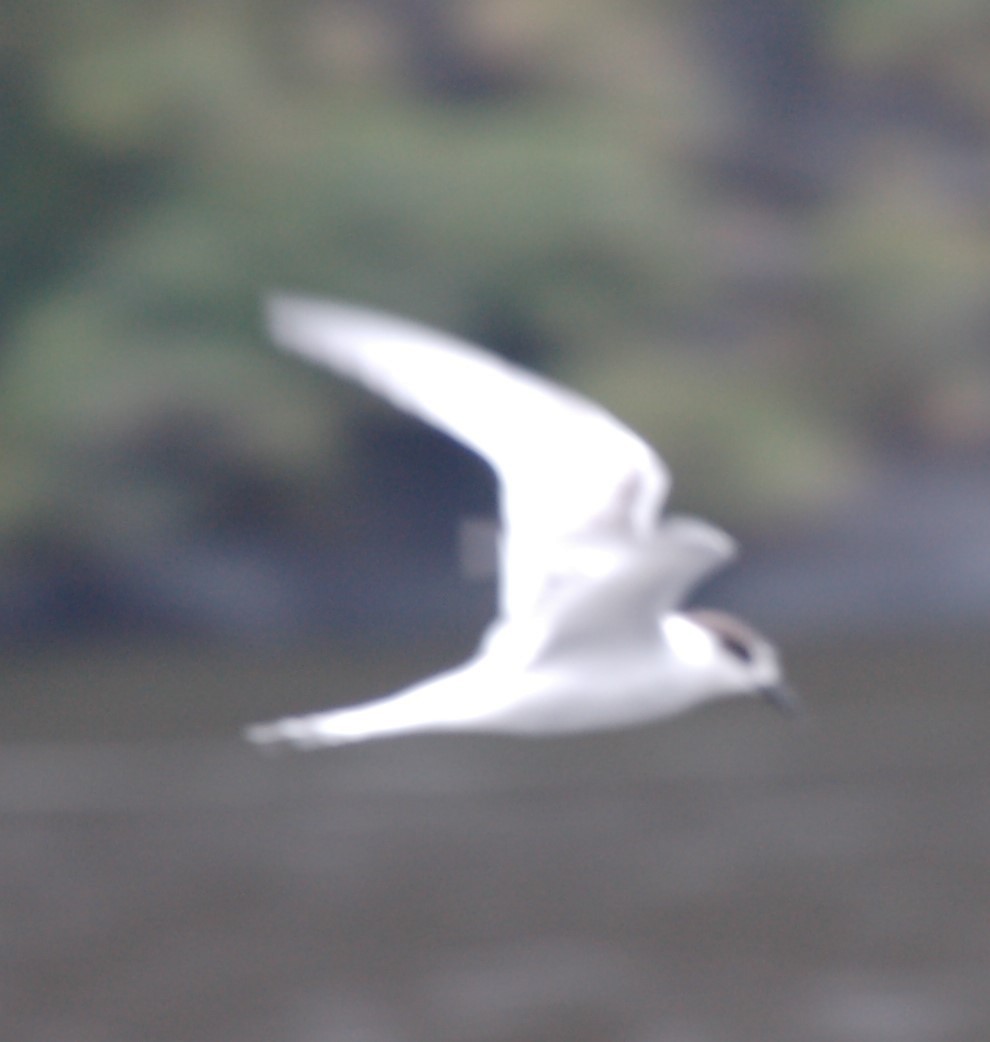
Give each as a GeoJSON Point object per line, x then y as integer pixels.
{"type": "Point", "coordinates": [734, 637]}
{"type": "Point", "coordinates": [736, 647]}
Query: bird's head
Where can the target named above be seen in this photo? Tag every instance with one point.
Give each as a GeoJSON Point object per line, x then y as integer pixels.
{"type": "Point", "coordinates": [737, 659]}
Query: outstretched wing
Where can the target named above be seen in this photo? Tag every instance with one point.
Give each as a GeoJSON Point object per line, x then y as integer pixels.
{"type": "Point", "coordinates": [569, 471]}
{"type": "Point", "coordinates": [651, 580]}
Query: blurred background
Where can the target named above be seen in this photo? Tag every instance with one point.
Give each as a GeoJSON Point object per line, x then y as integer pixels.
{"type": "Point", "coordinates": [757, 230]}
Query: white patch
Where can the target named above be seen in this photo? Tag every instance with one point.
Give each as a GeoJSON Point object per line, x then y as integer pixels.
{"type": "Point", "coordinates": [691, 643]}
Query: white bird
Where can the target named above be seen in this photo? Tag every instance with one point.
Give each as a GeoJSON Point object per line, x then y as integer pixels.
{"type": "Point", "coordinates": [588, 634]}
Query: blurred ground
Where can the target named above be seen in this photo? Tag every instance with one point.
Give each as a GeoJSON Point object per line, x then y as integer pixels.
{"type": "Point", "coordinates": [759, 230]}
{"type": "Point", "coordinates": [728, 876]}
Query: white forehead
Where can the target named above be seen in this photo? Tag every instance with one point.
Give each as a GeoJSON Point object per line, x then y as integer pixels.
{"type": "Point", "coordinates": [690, 642]}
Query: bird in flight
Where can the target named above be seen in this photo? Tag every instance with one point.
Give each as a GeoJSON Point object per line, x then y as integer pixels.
{"type": "Point", "coordinates": [589, 633]}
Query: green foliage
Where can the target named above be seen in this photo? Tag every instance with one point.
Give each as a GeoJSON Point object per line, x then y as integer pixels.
{"type": "Point", "coordinates": [228, 149]}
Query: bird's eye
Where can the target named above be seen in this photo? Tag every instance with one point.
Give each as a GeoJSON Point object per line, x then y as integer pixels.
{"type": "Point", "coordinates": [736, 648]}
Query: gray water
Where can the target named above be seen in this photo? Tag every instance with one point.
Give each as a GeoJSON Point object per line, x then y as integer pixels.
{"type": "Point", "coordinates": [725, 877]}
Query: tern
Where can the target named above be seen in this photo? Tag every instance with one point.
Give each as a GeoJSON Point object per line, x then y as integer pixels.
{"type": "Point", "coordinates": [589, 632]}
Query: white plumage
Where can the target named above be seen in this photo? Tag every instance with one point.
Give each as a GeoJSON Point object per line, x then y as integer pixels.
{"type": "Point", "coordinates": [587, 634]}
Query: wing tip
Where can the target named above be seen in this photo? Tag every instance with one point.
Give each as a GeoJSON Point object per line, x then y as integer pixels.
{"type": "Point", "coordinates": [286, 315]}
{"type": "Point", "coordinates": [313, 731]}
{"type": "Point", "coordinates": [276, 735]}
{"type": "Point", "coordinates": [306, 325]}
